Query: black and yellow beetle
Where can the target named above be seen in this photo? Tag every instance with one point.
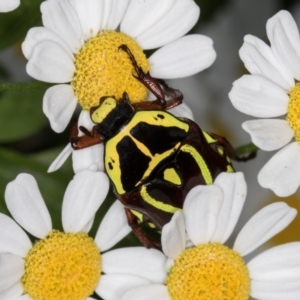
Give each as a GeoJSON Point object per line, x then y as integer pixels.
{"type": "Point", "coordinates": [153, 158]}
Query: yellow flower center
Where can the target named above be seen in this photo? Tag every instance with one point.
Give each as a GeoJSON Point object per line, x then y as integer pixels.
{"type": "Point", "coordinates": [104, 70]}
{"type": "Point", "coordinates": [293, 115]}
{"type": "Point", "coordinates": [62, 266]}
{"type": "Point", "coordinates": [209, 272]}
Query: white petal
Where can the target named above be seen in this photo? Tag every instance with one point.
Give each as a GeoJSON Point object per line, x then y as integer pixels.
{"type": "Point", "coordinates": [106, 10]}
{"type": "Point", "coordinates": [234, 190]}
{"type": "Point", "coordinates": [13, 239]}
{"type": "Point", "coordinates": [201, 210]}
{"type": "Point", "coordinates": [26, 205]}
{"type": "Point", "coordinates": [84, 195]}
{"type": "Point", "coordinates": [280, 264]}
{"type": "Point", "coordinates": [60, 17]}
{"type": "Point", "coordinates": [138, 261]}
{"type": "Point", "coordinates": [88, 225]}
{"type": "Point", "coordinates": [179, 20]}
{"type": "Point", "coordinates": [8, 5]}
{"type": "Point", "coordinates": [117, 12]}
{"type": "Point", "coordinates": [60, 159]}
{"type": "Point", "coordinates": [13, 292]}
{"type": "Point", "coordinates": [90, 158]}
{"type": "Point", "coordinates": [113, 228]}
{"type": "Point", "coordinates": [114, 286]}
{"type": "Point", "coordinates": [140, 16]}
{"type": "Point", "coordinates": [148, 292]}
{"type": "Point", "coordinates": [256, 96]}
{"type": "Point", "coordinates": [59, 104]}
{"type": "Point", "coordinates": [281, 173]}
{"type": "Point", "coordinates": [259, 60]}
{"type": "Point", "coordinates": [51, 63]}
{"type": "Point", "coordinates": [36, 35]}
{"type": "Point", "coordinates": [11, 270]}
{"type": "Point", "coordinates": [275, 291]}
{"type": "Point", "coordinates": [89, 13]}
{"type": "Point", "coordinates": [268, 134]}
{"type": "Point", "coordinates": [85, 121]}
{"type": "Point", "coordinates": [183, 111]}
{"type": "Point", "coordinates": [264, 225]}
{"type": "Point", "coordinates": [184, 57]}
{"type": "Point", "coordinates": [173, 236]}
{"type": "Point", "coordinates": [283, 34]}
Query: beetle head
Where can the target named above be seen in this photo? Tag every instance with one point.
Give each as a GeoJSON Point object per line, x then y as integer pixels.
{"type": "Point", "coordinates": [111, 115]}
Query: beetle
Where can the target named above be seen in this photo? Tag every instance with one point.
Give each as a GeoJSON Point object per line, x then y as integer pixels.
{"type": "Point", "coordinates": [152, 158]}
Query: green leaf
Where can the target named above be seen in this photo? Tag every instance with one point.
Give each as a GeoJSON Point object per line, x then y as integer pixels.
{"type": "Point", "coordinates": [24, 86]}
{"type": "Point", "coordinates": [52, 186]}
{"type": "Point", "coordinates": [21, 114]}
{"type": "Point", "coordinates": [4, 72]}
{"type": "Point", "coordinates": [14, 25]}
{"type": "Point", "coordinates": [247, 151]}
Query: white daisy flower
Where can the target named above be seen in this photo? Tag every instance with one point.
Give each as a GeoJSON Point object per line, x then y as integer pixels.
{"type": "Point", "coordinates": [206, 268]}
{"type": "Point", "coordinates": [78, 49]}
{"type": "Point", "coordinates": [8, 5]}
{"type": "Point", "coordinates": [273, 90]}
{"type": "Point", "coordinates": [70, 264]}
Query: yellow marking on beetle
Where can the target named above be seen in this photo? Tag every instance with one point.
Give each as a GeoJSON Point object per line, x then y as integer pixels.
{"type": "Point", "coordinates": [220, 150]}
{"type": "Point", "coordinates": [200, 161]}
{"type": "Point", "coordinates": [151, 225]}
{"type": "Point", "coordinates": [171, 175]}
{"type": "Point", "coordinates": [111, 154]}
{"type": "Point", "coordinates": [229, 169]}
{"type": "Point", "coordinates": [138, 215]}
{"type": "Point", "coordinates": [155, 160]}
{"type": "Point", "coordinates": [151, 118]}
{"type": "Point", "coordinates": [103, 110]}
{"type": "Point", "coordinates": [209, 138]}
{"type": "Point", "coordinates": [157, 204]}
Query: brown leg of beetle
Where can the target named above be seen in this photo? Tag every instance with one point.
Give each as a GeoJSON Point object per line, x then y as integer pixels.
{"type": "Point", "coordinates": [175, 96]}
{"type": "Point", "coordinates": [87, 140]}
{"type": "Point", "coordinates": [175, 99]}
{"type": "Point", "coordinates": [230, 150]}
{"type": "Point", "coordinates": [154, 86]}
{"type": "Point", "coordinates": [145, 78]}
{"type": "Point", "coordinates": [140, 234]}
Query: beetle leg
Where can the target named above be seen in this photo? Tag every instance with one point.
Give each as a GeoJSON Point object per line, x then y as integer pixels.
{"type": "Point", "coordinates": [175, 96]}
{"type": "Point", "coordinates": [157, 86]}
{"type": "Point", "coordinates": [86, 131]}
{"type": "Point", "coordinates": [87, 140]}
{"type": "Point", "coordinates": [230, 150]}
{"type": "Point", "coordinates": [145, 78]}
{"type": "Point", "coordinates": [139, 232]}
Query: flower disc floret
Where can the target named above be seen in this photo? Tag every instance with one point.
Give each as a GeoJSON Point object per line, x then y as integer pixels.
{"type": "Point", "coordinates": [210, 271]}
{"type": "Point", "coordinates": [62, 266]}
{"type": "Point", "coordinates": [104, 70]}
{"type": "Point", "coordinates": [293, 115]}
